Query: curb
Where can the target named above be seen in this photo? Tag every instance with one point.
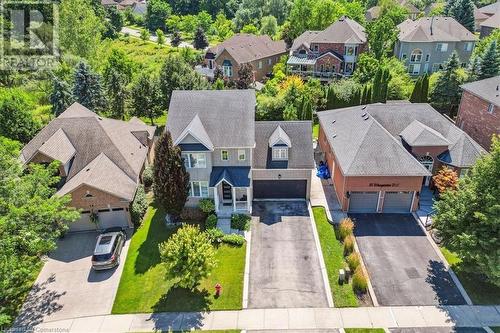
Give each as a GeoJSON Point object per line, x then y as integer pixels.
{"type": "Point", "coordinates": [246, 276]}
{"type": "Point", "coordinates": [322, 265]}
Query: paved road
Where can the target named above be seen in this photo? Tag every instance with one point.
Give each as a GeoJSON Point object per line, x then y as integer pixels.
{"type": "Point", "coordinates": [153, 38]}
{"type": "Point", "coordinates": [284, 264]}
{"type": "Point", "coordinates": [403, 266]}
{"type": "Point", "coordinates": [67, 287]}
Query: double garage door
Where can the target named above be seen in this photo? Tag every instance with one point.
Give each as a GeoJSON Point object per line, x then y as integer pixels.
{"type": "Point", "coordinates": [118, 217]}
{"type": "Point", "coordinates": [279, 189]}
{"type": "Point", "coordinates": [394, 202]}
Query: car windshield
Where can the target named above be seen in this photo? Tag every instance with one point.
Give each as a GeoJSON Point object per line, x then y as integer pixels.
{"type": "Point", "coordinates": [101, 257]}
{"type": "Point", "coordinates": [105, 240]}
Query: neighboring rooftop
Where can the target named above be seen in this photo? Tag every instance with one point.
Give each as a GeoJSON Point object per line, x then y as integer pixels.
{"type": "Point", "coordinates": [487, 89]}
{"type": "Point", "coordinates": [492, 22]}
{"type": "Point", "coordinates": [83, 135]}
{"type": "Point", "coordinates": [344, 30]}
{"type": "Point", "coordinates": [490, 9]}
{"type": "Point", "coordinates": [374, 12]}
{"type": "Point", "coordinates": [248, 47]}
{"type": "Point", "coordinates": [226, 116]}
{"type": "Point", "coordinates": [294, 134]}
{"type": "Point", "coordinates": [434, 29]}
{"type": "Point", "coordinates": [419, 135]}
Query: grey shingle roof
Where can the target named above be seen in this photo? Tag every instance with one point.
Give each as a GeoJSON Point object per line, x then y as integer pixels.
{"type": "Point", "coordinates": [419, 135]}
{"type": "Point", "coordinates": [235, 176]}
{"type": "Point", "coordinates": [434, 29]}
{"type": "Point", "coordinates": [487, 89]}
{"type": "Point", "coordinates": [247, 47]}
{"type": "Point", "coordinates": [228, 116]}
{"type": "Point", "coordinates": [491, 8]}
{"type": "Point", "coordinates": [91, 136]}
{"type": "Point", "coordinates": [58, 147]}
{"type": "Point", "coordinates": [492, 22]}
{"type": "Point", "coordinates": [305, 38]}
{"type": "Point", "coordinates": [364, 148]}
{"type": "Point", "coordinates": [300, 155]}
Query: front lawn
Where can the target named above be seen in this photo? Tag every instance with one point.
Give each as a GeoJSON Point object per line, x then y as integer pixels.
{"type": "Point", "coordinates": [364, 330]}
{"type": "Point", "coordinates": [144, 288]}
{"type": "Point", "coordinates": [333, 254]}
{"type": "Point", "coordinates": [481, 292]}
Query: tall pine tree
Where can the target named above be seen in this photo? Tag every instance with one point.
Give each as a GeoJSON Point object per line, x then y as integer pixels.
{"type": "Point", "coordinates": [417, 91]}
{"type": "Point", "coordinates": [88, 89]}
{"type": "Point", "coordinates": [462, 11]}
{"type": "Point", "coordinates": [61, 96]}
{"type": "Point", "coordinates": [117, 93]}
{"type": "Point", "coordinates": [200, 39]}
{"type": "Point", "coordinates": [446, 94]}
{"type": "Point", "coordinates": [424, 96]}
{"type": "Point", "coordinates": [171, 180]}
{"type": "Point", "coordinates": [490, 62]}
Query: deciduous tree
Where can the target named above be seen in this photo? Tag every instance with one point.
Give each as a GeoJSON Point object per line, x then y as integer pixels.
{"type": "Point", "coordinates": [146, 97]}
{"type": "Point", "coordinates": [445, 179]}
{"type": "Point", "coordinates": [157, 12]}
{"type": "Point", "coordinates": [16, 119]}
{"type": "Point", "coordinates": [245, 76]}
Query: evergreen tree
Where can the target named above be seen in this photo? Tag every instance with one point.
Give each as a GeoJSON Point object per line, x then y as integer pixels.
{"type": "Point", "coordinates": [416, 94]}
{"type": "Point", "coordinates": [355, 98]}
{"type": "Point", "coordinates": [474, 69]}
{"type": "Point", "coordinates": [117, 93]}
{"type": "Point", "coordinates": [88, 88]}
{"type": "Point", "coordinates": [61, 96]}
{"type": "Point", "coordinates": [490, 63]}
{"type": "Point", "coordinates": [200, 39]}
{"type": "Point", "coordinates": [307, 111]}
{"type": "Point", "coordinates": [146, 98]}
{"type": "Point", "coordinates": [424, 96]}
{"type": "Point", "coordinates": [145, 35]}
{"type": "Point", "coordinates": [386, 77]}
{"type": "Point", "coordinates": [160, 37]}
{"type": "Point", "coordinates": [462, 11]}
{"type": "Point", "coordinates": [446, 93]}
{"type": "Point", "coordinates": [369, 94]}
{"type": "Point", "coordinates": [176, 39]}
{"type": "Point", "coordinates": [332, 100]}
{"type": "Point", "coordinates": [171, 180]}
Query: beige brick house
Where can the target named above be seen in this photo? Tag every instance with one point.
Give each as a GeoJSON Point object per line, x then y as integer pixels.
{"type": "Point", "coordinates": [101, 162]}
{"type": "Point", "coordinates": [259, 51]}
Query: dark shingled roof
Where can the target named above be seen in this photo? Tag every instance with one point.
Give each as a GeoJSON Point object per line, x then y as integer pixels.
{"type": "Point", "coordinates": [300, 155]}
{"type": "Point", "coordinates": [235, 176]}
{"type": "Point", "coordinates": [487, 89]}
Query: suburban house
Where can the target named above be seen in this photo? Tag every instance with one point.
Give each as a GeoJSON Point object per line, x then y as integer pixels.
{"type": "Point", "coordinates": [123, 4]}
{"type": "Point", "coordinates": [479, 110]}
{"type": "Point", "coordinates": [234, 159]}
{"type": "Point", "coordinates": [330, 53]}
{"type": "Point", "coordinates": [259, 51]}
{"type": "Point", "coordinates": [373, 13]}
{"type": "Point", "coordinates": [490, 9]}
{"type": "Point", "coordinates": [380, 155]}
{"type": "Point", "coordinates": [426, 44]}
{"type": "Point", "coordinates": [490, 24]}
{"type": "Point", "coordinates": [101, 163]}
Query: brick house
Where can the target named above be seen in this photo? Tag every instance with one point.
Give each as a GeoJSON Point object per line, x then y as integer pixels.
{"type": "Point", "coordinates": [380, 155]}
{"type": "Point", "coordinates": [479, 110]}
{"type": "Point", "coordinates": [259, 51]}
{"type": "Point", "coordinates": [101, 162]}
{"type": "Point", "coordinates": [330, 53]}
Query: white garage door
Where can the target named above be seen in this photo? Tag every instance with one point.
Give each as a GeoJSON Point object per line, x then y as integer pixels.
{"type": "Point", "coordinates": [83, 224]}
{"type": "Point", "coordinates": [397, 202]}
{"type": "Point", "coordinates": [118, 217]}
{"type": "Point", "coordinates": [363, 202]}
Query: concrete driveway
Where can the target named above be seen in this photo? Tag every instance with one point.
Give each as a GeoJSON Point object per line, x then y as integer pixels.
{"type": "Point", "coordinates": [67, 287]}
{"type": "Point", "coordinates": [403, 266]}
{"type": "Point", "coordinates": [284, 264]}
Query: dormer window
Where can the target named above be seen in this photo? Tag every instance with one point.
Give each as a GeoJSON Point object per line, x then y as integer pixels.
{"type": "Point", "coordinates": [280, 153]}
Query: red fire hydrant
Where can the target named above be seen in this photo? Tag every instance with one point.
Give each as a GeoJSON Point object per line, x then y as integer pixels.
{"type": "Point", "coordinates": [218, 289]}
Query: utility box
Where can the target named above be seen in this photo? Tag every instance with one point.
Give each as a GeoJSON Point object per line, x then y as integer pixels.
{"type": "Point", "coordinates": [341, 276]}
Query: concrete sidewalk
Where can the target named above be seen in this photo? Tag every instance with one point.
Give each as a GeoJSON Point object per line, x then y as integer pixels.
{"type": "Point", "coordinates": [323, 194]}
{"type": "Point", "coordinates": [281, 319]}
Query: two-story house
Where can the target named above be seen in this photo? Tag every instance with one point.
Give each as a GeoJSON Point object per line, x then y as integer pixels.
{"type": "Point", "coordinates": [234, 159]}
{"type": "Point", "coordinates": [426, 44]}
{"type": "Point", "coordinates": [330, 53]}
{"type": "Point", "coordinates": [479, 111]}
{"type": "Point", "coordinates": [261, 52]}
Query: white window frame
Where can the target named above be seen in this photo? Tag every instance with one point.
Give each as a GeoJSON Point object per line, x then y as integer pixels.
{"type": "Point", "coordinates": [260, 64]}
{"type": "Point", "coordinates": [222, 155]}
{"type": "Point", "coordinates": [416, 55]}
{"type": "Point", "coordinates": [468, 46]}
{"type": "Point", "coordinates": [227, 70]}
{"type": "Point", "coordinates": [280, 154]}
{"type": "Point", "coordinates": [412, 67]}
{"type": "Point", "coordinates": [242, 152]}
{"type": "Point", "coordinates": [491, 107]}
{"type": "Point", "coordinates": [202, 188]}
{"type": "Point", "coordinates": [442, 47]}
{"type": "Point", "coordinates": [270, 61]}
{"type": "Point", "coordinates": [199, 165]}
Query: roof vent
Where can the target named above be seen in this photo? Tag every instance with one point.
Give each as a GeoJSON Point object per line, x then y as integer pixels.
{"type": "Point", "coordinates": [100, 118]}
{"type": "Point", "coordinates": [88, 169]}
{"type": "Point", "coordinates": [366, 117]}
{"type": "Point", "coordinates": [334, 136]}
{"type": "Point", "coordinates": [363, 107]}
{"type": "Point", "coordinates": [333, 121]}
{"type": "Point", "coordinates": [363, 115]}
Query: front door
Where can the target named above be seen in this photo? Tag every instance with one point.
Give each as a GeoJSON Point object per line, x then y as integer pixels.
{"type": "Point", "coordinates": [227, 193]}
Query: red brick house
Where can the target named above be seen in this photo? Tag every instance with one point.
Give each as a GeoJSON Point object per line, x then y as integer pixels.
{"type": "Point", "coordinates": [380, 155]}
{"type": "Point", "coordinates": [330, 53]}
{"type": "Point", "coordinates": [479, 111]}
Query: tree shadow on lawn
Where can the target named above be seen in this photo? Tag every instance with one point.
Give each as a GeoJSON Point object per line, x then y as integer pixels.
{"type": "Point", "coordinates": [439, 278]}
{"type": "Point", "coordinates": [183, 300]}
{"type": "Point", "coordinates": [148, 255]}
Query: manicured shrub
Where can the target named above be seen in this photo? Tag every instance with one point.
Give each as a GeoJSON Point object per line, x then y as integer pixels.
{"type": "Point", "coordinates": [353, 261]}
{"type": "Point", "coordinates": [345, 228]}
{"type": "Point", "coordinates": [233, 239]}
{"type": "Point", "coordinates": [215, 235]}
{"type": "Point", "coordinates": [211, 222]}
{"type": "Point", "coordinates": [348, 245]}
{"type": "Point", "coordinates": [207, 205]}
{"type": "Point", "coordinates": [139, 206]}
{"type": "Point", "coordinates": [240, 222]}
{"type": "Point", "coordinates": [359, 281]}
{"type": "Point", "coordinates": [147, 177]}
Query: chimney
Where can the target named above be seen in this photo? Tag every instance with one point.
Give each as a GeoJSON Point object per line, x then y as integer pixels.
{"type": "Point", "coordinates": [432, 21]}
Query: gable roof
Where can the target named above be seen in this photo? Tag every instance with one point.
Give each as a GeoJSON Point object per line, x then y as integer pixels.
{"type": "Point", "coordinates": [490, 9]}
{"type": "Point", "coordinates": [417, 135]}
{"type": "Point", "coordinates": [279, 136]}
{"type": "Point", "coordinates": [492, 22]}
{"type": "Point", "coordinates": [197, 130]}
{"type": "Point", "coordinates": [487, 89]}
{"type": "Point", "coordinates": [227, 116]}
{"type": "Point", "coordinates": [300, 153]}
{"type": "Point", "coordinates": [91, 135]}
{"type": "Point", "coordinates": [247, 47]}
{"type": "Point", "coordinates": [434, 29]}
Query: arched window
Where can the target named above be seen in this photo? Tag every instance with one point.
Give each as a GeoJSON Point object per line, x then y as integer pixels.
{"type": "Point", "coordinates": [416, 55]}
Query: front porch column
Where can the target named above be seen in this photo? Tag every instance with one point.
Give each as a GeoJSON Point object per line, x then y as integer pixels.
{"type": "Point", "coordinates": [216, 199]}
{"type": "Point", "coordinates": [249, 203]}
{"type": "Point", "coordinates": [234, 198]}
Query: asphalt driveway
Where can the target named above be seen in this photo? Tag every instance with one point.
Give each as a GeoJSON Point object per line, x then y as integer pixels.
{"type": "Point", "coordinates": [67, 287]}
{"type": "Point", "coordinates": [284, 264]}
{"type": "Point", "coordinates": [403, 266]}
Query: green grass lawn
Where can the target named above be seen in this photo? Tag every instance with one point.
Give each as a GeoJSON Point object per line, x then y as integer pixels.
{"type": "Point", "coordinates": [480, 291]}
{"type": "Point", "coordinates": [315, 131]}
{"type": "Point", "coordinates": [144, 288]}
{"type": "Point", "coordinates": [333, 253]}
{"type": "Point", "coordinates": [495, 329]}
{"type": "Point", "coordinates": [364, 330]}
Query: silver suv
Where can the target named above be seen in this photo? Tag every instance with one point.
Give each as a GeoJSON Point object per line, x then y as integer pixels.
{"type": "Point", "coordinates": [108, 249]}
